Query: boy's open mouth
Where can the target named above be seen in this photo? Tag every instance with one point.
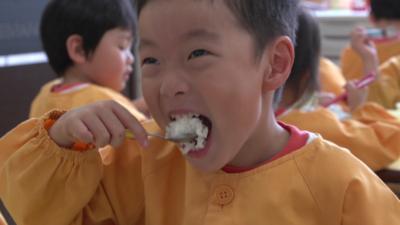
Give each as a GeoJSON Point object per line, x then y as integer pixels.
{"type": "Point", "coordinates": [190, 124]}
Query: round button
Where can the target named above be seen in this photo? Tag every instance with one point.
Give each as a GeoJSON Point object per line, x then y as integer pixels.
{"type": "Point", "coordinates": [223, 195]}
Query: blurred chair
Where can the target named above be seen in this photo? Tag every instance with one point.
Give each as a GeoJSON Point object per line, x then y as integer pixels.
{"type": "Point", "coordinates": [19, 85]}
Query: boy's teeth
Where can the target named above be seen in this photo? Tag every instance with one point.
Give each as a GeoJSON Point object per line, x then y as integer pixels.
{"type": "Point", "coordinates": [175, 117]}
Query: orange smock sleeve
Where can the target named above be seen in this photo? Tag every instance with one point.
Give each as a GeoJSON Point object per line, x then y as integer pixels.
{"type": "Point", "coordinates": [41, 183]}
{"type": "Point", "coordinates": [331, 78]}
{"type": "Point", "coordinates": [372, 135]}
{"type": "Point", "coordinates": [386, 89]}
{"type": "Point", "coordinates": [347, 193]}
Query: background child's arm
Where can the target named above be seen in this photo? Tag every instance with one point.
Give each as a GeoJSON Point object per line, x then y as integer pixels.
{"type": "Point", "coordinates": [356, 93]}
{"type": "Point", "coordinates": [373, 135]}
{"type": "Point", "coordinates": [386, 89]}
{"type": "Point", "coordinates": [42, 183]}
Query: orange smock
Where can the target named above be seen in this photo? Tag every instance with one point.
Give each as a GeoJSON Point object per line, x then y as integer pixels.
{"type": "Point", "coordinates": [85, 94]}
{"type": "Point", "coordinates": [331, 78]}
{"type": "Point", "coordinates": [320, 183]}
{"type": "Point", "coordinates": [370, 132]}
{"type": "Point", "coordinates": [386, 89]}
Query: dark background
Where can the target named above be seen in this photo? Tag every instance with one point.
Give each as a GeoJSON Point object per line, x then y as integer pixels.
{"type": "Point", "coordinates": [19, 25]}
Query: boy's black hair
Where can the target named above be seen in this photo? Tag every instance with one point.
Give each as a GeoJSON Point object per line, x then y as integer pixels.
{"type": "Point", "coordinates": [385, 9]}
{"type": "Point", "coordinates": [88, 18]}
{"type": "Point", "coordinates": [264, 20]}
{"type": "Point", "coordinates": [307, 58]}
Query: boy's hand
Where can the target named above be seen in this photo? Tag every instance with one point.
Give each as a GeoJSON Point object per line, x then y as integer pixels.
{"type": "Point", "coordinates": [100, 123]}
{"type": "Point", "coordinates": [365, 48]}
{"type": "Point", "coordinates": [141, 105]}
{"type": "Point", "coordinates": [355, 96]}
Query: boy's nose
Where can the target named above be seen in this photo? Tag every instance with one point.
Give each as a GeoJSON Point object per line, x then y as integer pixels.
{"type": "Point", "coordinates": [173, 85]}
{"type": "Point", "coordinates": [130, 58]}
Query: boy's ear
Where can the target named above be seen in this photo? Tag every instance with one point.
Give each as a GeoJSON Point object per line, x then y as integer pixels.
{"type": "Point", "coordinates": [75, 49]}
{"type": "Point", "coordinates": [280, 61]}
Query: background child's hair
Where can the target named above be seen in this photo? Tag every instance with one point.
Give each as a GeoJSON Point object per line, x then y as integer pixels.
{"type": "Point", "coordinates": [307, 58]}
{"type": "Point", "coordinates": [264, 20]}
{"type": "Point", "coordinates": [385, 9]}
{"type": "Point", "coordinates": [88, 18]}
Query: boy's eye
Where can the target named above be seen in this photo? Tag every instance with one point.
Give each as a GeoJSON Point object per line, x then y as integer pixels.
{"type": "Point", "coordinates": [198, 53]}
{"type": "Point", "coordinates": [150, 60]}
{"type": "Point", "coordinates": [124, 47]}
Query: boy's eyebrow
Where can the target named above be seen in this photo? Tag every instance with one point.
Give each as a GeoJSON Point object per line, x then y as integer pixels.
{"type": "Point", "coordinates": [201, 34]}
{"type": "Point", "coordinates": [192, 34]}
{"type": "Point", "coordinates": [126, 36]}
{"type": "Point", "coordinates": [143, 43]}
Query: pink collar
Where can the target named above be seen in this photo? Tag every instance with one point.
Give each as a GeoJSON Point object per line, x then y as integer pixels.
{"type": "Point", "coordinates": [65, 88]}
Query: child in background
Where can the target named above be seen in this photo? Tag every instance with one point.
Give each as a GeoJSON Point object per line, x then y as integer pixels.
{"type": "Point", "coordinates": [387, 45]}
{"type": "Point", "coordinates": [370, 132]}
{"type": "Point", "coordinates": [219, 62]}
{"type": "Point", "coordinates": [386, 90]}
{"type": "Point", "coordinates": [90, 51]}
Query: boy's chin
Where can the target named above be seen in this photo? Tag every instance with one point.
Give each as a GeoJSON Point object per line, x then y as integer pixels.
{"type": "Point", "coordinates": [117, 88]}
{"type": "Point", "coordinates": [120, 88]}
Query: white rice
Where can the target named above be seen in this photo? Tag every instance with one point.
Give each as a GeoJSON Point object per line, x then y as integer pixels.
{"type": "Point", "coordinates": [188, 125]}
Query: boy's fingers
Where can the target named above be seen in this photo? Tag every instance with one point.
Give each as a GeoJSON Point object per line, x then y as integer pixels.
{"type": "Point", "coordinates": [114, 126]}
{"type": "Point", "coordinates": [131, 123]}
{"type": "Point", "coordinates": [66, 131]}
{"type": "Point", "coordinates": [80, 132]}
{"type": "Point", "coordinates": [98, 129]}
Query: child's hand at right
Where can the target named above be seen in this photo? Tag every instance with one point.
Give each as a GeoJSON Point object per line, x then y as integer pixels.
{"type": "Point", "coordinates": [365, 48]}
{"type": "Point", "coordinates": [101, 123]}
{"type": "Point", "coordinates": [362, 44]}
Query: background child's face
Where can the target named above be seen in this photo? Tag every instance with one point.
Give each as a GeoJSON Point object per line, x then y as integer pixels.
{"type": "Point", "coordinates": [111, 63]}
{"type": "Point", "coordinates": [196, 58]}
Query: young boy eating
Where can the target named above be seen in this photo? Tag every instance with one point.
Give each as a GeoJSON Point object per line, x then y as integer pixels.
{"type": "Point", "coordinates": [219, 62]}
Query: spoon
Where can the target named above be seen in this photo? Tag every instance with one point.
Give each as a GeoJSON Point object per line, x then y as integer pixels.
{"type": "Point", "coordinates": [185, 137]}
